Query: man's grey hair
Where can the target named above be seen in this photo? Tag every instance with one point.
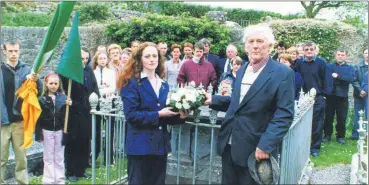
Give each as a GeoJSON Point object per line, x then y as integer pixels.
{"type": "Point", "coordinates": [232, 46]}
{"type": "Point", "coordinates": [309, 43]}
{"type": "Point", "coordinates": [261, 28]}
{"type": "Point", "coordinates": [205, 41]}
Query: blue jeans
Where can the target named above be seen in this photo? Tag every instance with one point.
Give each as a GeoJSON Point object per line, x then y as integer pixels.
{"type": "Point", "coordinates": [359, 104]}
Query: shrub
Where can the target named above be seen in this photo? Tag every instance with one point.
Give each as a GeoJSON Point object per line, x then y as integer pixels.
{"type": "Point", "coordinates": [94, 12]}
{"type": "Point", "coordinates": [177, 8]}
{"type": "Point", "coordinates": [327, 34]}
{"type": "Point", "coordinates": [155, 28]}
{"type": "Point", "coordinates": [26, 19]}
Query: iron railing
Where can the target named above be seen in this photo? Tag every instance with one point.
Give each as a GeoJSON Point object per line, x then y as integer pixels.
{"type": "Point", "coordinates": [193, 159]}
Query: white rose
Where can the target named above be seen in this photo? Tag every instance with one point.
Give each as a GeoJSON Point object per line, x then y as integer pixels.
{"type": "Point", "coordinates": [178, 105]}
{"type": "Point", "coordinates": [186, 105]}
{"type": "Point", "coordinates": [176, 97]}
{"type": "Point", "coordinates": [191, 97]}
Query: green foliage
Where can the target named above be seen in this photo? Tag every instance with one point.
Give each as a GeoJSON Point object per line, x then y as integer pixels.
{"type": "Point", "coordinates": [355, 21]}
{"type": "Point", "coordinates": [322, 33]}
{"type": "Point", "coordinates": [333, 153]}
{"type": "Point", "coordinates": [94, 12]}
{"type": "Point", "coordinates": [14, 7]}
{"type": "Point", "coordinates": [155, 28]}
{"type": "Point", "coordinates": [26, 19]}
{"type": "Point", "coordinates": [177, 8]}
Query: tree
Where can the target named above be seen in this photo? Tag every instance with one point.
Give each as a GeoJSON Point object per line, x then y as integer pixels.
{"type": "Point", "coordinates": [312, 8]}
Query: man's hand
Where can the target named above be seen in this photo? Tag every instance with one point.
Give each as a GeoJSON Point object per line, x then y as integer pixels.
{"type": "Point", "coordinates": [33, 76]}
{"type": "Point", "coordinates": [362, 93]}
{"type": "Point", "coordinates": [259, 154]}
{"type": "Point", "coordinates": [208, 99]}
{"type": "Point", "coordinates": [334, 75]}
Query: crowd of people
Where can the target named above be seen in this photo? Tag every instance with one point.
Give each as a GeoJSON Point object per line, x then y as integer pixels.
{"type": "Point", "coordinates": [257, 93]}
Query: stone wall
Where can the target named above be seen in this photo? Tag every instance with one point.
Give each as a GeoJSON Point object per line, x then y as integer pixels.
{"type": "Point", "coordinates": [32, 37]}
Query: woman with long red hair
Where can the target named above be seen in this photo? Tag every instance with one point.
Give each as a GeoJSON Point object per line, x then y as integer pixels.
{"type": "Point", "coordinates": [144, 95]}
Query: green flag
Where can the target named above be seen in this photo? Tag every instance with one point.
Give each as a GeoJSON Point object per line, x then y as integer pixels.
{"type": "Point", "coordinates": [70, 64]}
{"type": "Point", "coordinates": [56, 28]}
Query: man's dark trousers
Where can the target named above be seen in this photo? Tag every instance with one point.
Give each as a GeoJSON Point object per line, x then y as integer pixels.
{"type": "Point", "coordinates": [336, 106]}
{"type": "Point", "coordinates": [318, 119]}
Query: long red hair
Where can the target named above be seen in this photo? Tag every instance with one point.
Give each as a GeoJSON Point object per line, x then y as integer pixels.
{"type": "Point", "coordinates": [134, 67]}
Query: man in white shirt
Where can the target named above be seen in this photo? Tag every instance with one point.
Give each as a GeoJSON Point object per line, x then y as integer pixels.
{"type": "Point", "coordinates": [260, 110]}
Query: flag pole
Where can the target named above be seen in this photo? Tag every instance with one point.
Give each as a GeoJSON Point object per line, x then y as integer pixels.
{"type": "Point", "coordinates": [67, 107]}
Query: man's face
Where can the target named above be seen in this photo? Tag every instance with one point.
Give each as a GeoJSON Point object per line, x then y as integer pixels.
{"type": "Point", "coordinates": [309, 51]}
{"type": "Point", "coordinates": [114, 54]}
{"type": "Point", "coordinates": [366, 55]}
{"type": "Point", "coordinates": [187, 51]}
{"type": "Point", "coordinates": [281, 50]}
{"type": "Point", "coordinates": [257, 46]}
{"type": "Point", "coordinates": [12, 52]}
{"type": "Point", "coordinates": [206, 49]}
{"type": "Point", "coordinates": [231, 52]}
{"type": "Point", "coordinates": [163, 48]}
{"type": "Point", "coordinates": [341, 56]}
{"type": "Point", "coordinates": [198, 52]}
{"type": "Point", "coordinates": [135, 46]}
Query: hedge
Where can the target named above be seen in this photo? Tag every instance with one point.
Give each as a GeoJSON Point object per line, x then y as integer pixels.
{"type": "Point", "coordinates": [26, 19]}
{"type": "Point", "coordinates": [155, 28]}
{"type": "Point", "coordinates": [329, 35]}
{"type": "Point", "coordinates": [176, 8]}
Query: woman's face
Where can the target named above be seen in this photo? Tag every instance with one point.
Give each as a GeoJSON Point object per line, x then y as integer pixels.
{"type": "Point", "coordinates": [293, 55]}
{"type": "Point", "coordinates": [150, 58]}
{"type": "Point", "coordinates": [102, 60]}
{"type": "Point", "coordinates": [176, 53]}
{"type": "Point", "coordinates": [125, 58]}
{"type": "Point", "coordinates": [285, 62]}
{"type": "Point", "coordinates": [187, 51]}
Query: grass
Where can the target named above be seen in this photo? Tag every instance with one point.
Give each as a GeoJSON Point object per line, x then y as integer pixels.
{"type": "Point", "coordinates": [100, 174]}
{"type": "Point", "coordinates": [333, 153]}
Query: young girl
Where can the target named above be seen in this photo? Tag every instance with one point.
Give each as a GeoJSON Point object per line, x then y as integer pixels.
{"type": "Point", "coordinates": [51, 120]}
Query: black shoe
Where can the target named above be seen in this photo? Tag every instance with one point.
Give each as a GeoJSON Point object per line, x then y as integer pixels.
{"type": "Point", "coordinates": [314, 154]}
{"type": "Point", "coordinates": [87, 175]}
{"type": "Point", "coordinates": [72, 178]}
{"type": "Point", "coordinates": [326, 139]}
{"type": "Point", "coordinates": [341, 141]}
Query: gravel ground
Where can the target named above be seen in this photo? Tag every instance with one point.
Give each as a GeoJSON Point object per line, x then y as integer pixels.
{"type": "Point", "coordinates": [337, 174]}
{"type": "Point", "coordinates": [13, 181]}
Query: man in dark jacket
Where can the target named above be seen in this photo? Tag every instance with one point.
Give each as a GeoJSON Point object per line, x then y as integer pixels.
{"type": "Point", "coordinates": [14, 73]}
{"type": "Point", "coordinates": [260, 110]}
{"type": "Point", "coordinates": [337, 101]}
{"type": "Point", "coordinates": [359, 93]}
{"type": "Point", "coordinates": [313, 72]}
{"type": "Point", "coordinates": [77, 149]}
{"type": "Point", "coordinates": [208, 57]}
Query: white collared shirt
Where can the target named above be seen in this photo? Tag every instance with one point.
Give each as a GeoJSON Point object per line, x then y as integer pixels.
{"type": "Point", "coordinates": [156, 86]}
{"type": "Point", "coordinates": [108, 83]}
{"type": "Point", "coordinates": [226, 66]}
{"type": "Point", "coordinates": [248, 79]}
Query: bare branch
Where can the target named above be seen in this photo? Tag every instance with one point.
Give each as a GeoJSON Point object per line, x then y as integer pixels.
{"type": "Point", "coordinates": [303, 4]}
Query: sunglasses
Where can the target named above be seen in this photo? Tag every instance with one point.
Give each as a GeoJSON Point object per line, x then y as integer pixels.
{"type": "Point", "coordinates": [307, 49]}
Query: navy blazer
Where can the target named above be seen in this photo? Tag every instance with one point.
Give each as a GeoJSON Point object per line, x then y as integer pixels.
{"type": "Point", "coordinates": [147, 134]}
{"type": "Point", "coordinates": [346, 75]}
{"type": "Point", "coordinates": [219, 66]}
{"type": "Point", "coordinates": [212, 58]}
{"type": "Point", "coordinates": [264, 115]}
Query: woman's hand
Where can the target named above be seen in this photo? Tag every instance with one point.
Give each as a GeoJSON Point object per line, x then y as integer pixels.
{"type": "Point", "coordinates": [68, 102]}
{"type": "Point", "coordinates": [166, 112]}
{"type": "Point", "coordinates": [184, 114]}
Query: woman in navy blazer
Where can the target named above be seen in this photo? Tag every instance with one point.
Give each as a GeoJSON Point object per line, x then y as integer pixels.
{"type": "Point", "coordinates": [287, 60]}
{"type": "Point", "coordinates": [144, 96]}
